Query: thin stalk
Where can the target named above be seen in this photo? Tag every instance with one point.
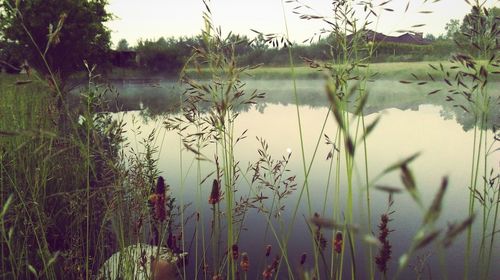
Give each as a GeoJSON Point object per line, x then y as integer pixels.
{"type": "Point", "coordinates": [87, 191]}
{"type": "Point", "coordinates": [299, 122]}
{"type": "Point", "coordinates": [471, 207]}
{"type": "Point", "coordinates": [493, 230]}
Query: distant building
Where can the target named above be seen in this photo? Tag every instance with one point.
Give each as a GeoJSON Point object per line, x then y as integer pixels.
{"type": "Point", "coordinates": [415, 38]}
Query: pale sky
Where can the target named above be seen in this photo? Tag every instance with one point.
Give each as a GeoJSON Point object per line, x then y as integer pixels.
{"type": "Point", "coordinates": [152, 19]}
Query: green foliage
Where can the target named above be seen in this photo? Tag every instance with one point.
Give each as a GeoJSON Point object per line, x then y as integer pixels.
{"type": "Point", "coordinates": [478, 33]}
{"type": "Point", "coordinates": [163, 55]}
{"type": "Point", "coordinates": [452, 28]}
{"type": "Point", "coordinates": [64, 32]}
{"type": "Point", "coordinates": [122, 45]}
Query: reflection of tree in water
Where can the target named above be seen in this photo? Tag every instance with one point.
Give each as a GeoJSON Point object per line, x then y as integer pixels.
{"type": "Point", "coordinates": [466, 119]}
{"type": "Point", "coordinates": [155, 100]}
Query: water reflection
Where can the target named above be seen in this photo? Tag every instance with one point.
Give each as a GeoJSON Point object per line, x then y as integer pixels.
{"type": "Point", "coordinates": [163, 97]}
{"type": "Point", "coordinates": [408, 125]}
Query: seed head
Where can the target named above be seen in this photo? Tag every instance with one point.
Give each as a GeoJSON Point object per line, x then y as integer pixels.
{"type": "Point", "coordinates": [303, 259]}
{"type": "Point", "coordinates": [215, 195]}
{"type": "Point", "coordinates": [268, 250]}
{"type": "Point", "coordinates": [337, 243]}
{"type": "Point", "coordinates": [235, 251]}
{"type": "Point", "coordinates": [245, 262]}
{"type": "Point", "coordinates": [384, 254]}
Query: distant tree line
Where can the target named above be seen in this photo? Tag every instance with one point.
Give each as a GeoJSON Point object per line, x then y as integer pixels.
{"type": "Point", "coordinates": [168, 55]}
{"type": "Point", "coordinates": [477, 28]}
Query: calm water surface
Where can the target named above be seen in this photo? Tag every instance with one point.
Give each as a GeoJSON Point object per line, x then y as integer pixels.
{"type": "Point", "coordinates": [411, 122]}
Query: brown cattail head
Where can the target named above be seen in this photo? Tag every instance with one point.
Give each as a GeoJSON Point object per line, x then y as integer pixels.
{"type": "Point", "coordinates": [160, 186]}
{"type": "Point", "coordinates": [235, 252]}
{"type": "Point", "coordinates": [268, 272]}
{"type": "Point", "coordinates": [268, 250]}
{"type": "Point", "coordinates": [384, 254]}
{"type": "Point", "coordinates": [303, 258]}
{"type": "Point", "coordinates": [245, 262]}
{"type": "Point", "coordinates": [276, 262]}
{"type": "Point", "coordinates": [337, 242]}
{"type": "Point", "coordinates": [320, 239]}
{"type": "Point", "coordinates": [158, 200]}
{"type": "Point", "coordinates": [215, 195]}
{"type": "Point", "coordinates": [159, 210]}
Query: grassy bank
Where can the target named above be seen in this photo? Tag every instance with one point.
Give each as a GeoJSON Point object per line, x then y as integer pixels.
{"type": "Point", "coordinates": [383, 71]}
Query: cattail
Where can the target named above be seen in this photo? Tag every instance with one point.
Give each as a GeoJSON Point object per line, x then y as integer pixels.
{"type": "Point", "coordinates": [215, 196]}
{"type": "Point", "coordinates": [235, 252]}
{"type": "Point", "coordinates": [157, 200]}
{"type": "Point", "coordinates": [320, 239]}
{"type": "Point", "coordinates": [275, 263]}
{"type": "Point", "coordinates": [245, 263]}
{"type": "Point", "coordinates": [158, 203]}
{"type": "Point", "coordinates": [303, 259]}
{"type": "Point", "coordinates": [171, 242]}
{"type": "Point", "coordinates": [337, 243]}
{"type": "Point", "coordinates": [384, 254]}
{"type": "Point", "coordinates": [268, 250]}
{"type": "Point", "coordinates": [160, 186]}
{"type": "Point", "coordinates": [268, 272]}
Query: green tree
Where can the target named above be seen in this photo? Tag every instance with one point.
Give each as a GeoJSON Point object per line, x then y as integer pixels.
{"type": "Point", "coordinates": [122, 45]}
{"type": "Point", "coordinates": [161, 56]}
{"type": "Point", "coordinates": [430, 37]}
{"type": "Point", "coordinates": [478, 33]}
{"type": "Point", "coordinates": [57, 35]}
{"type": "Point", "coordinates": [452, 29]}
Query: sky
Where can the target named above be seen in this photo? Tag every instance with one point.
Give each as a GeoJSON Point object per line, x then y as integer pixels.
{"type": "Point", "coordinates": [152, 19]}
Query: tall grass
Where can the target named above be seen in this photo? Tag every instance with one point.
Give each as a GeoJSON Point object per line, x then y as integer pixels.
{"type": "Point", "coordinates": [74, 194]}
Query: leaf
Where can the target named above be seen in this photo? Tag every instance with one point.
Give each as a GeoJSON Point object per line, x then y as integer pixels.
{"type": "Point", "coordinates": [349, 146]}
{"type": "Point", "coordinates": [6, 206]}
{"type": "Point", "coordinates": [401, 163]}
{"type": "Point", "coordinates": [434, 91]}
{"type": "Point", "coordinates": [370, 127]}
{"type": "Point", "coordinates": [32, 270]}
{"type": "Point", "coordinates": [435, 209]}
{"type": "Point", "coordinates": [361, 105]}
{"type": "Point", "coordinates": [403, 261]}
{"type": "Point", "coordinates": [389, 189]}
{"type": "Point", "coordinates": [409, 182]}
{"type": "Point", "coordinates": [454, 230]}
{"type": "Point", "coordinates": [427, 239]}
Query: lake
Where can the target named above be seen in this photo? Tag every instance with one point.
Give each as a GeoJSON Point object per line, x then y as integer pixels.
{"type": "Point", "coordinates": [411, 121]}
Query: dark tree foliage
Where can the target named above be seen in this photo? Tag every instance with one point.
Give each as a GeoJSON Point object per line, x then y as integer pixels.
{"type": "Point", "coordinates": [65, 32]}
{"type": "Point", "coordinates": [161, 56]}
{"type": "Point", "coordinates": [122, 45]}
